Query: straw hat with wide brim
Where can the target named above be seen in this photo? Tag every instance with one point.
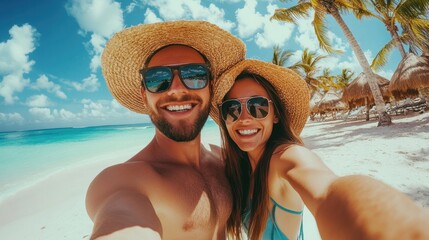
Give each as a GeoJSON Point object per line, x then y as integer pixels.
{"type": "Point", "coordinates": [290, 87]}
{"type": "Point", "coordinates": [127, 51]}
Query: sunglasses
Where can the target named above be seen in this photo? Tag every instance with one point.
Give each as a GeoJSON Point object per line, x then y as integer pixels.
{"type": "Point", "coordinates": [257, 107]}
{"type": "Point", "coordinates": [158, 79]}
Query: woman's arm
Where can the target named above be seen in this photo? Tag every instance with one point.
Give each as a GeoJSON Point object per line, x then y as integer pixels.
{"type": "Point", "coordinates": [352, 207]}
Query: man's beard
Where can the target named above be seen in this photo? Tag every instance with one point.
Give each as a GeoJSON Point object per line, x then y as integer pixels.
{"type": "Point", "coordinates": [183, 132]}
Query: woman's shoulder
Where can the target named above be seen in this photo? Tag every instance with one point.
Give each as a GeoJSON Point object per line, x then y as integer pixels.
{"type": "Point", "coordinates": [292, 155]}
{"type": "Point", "coordinates": [285, 151]}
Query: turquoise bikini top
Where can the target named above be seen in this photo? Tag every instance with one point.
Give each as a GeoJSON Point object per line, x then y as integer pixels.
{"type": "Point", "coordinates": [272, 231]}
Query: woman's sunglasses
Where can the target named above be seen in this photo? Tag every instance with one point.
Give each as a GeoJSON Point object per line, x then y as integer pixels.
{"type": "Point", "coordinates": [257, 107]}
{"type": "Point", "coordinates": [158, 79]}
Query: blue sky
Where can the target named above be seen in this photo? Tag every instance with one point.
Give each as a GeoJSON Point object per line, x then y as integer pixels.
{"type": "Point", "coordinates": [50, 51]}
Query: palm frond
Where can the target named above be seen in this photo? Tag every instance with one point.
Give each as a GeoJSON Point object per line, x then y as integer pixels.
{"type": "Point", "coordinates": [419, 30]}
{"type": "Point", "coordinates": [320, 31]}
{"type": "Point", "coordinates": [280, 56]}
{"type": "Point", "coordinates": [344, 78]}
{"type": "Point", "coordinates": [381, 57]}
{"type": "Point", "coordinates": [358, 7]}
{"type": "Point", "coordinates": [412, 8]}
{"type": "Point", "coordinates": [292, 14]}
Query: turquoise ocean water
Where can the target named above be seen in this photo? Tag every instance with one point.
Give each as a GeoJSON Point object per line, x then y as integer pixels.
{"type": "Point", "coordinates": [28, 156]}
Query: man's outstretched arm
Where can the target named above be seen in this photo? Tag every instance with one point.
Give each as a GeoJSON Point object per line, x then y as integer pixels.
{"type": "Point", "coordinates": [126, 215]}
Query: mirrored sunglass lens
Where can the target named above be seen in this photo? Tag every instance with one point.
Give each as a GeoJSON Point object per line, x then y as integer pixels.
{"type": "Point", "coordinates": [157, 79]}
{"type": "Point", "coordinates": [194, 76]}
{"type": "Point", "coordinates": [231, 110]}
{"type": "Point", "coordinates": [258, 107]}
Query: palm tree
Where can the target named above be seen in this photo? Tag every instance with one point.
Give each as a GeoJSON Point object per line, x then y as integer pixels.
{"type": "Point", "coordinates": [343, 79]}
{"type": "Point", "coordinates": [334, 7]}
{"type": "Point", "coordinates": [326, 81]}
{"type": "Point", "coordinates": [280, 57]}
{"type": "Point", "coordinates": [307, 67]}
{"type": "Point", "coordinates": [410, 14]}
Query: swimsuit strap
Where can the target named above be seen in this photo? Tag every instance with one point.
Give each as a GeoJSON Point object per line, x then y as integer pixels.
{"type": "Point", "coordinates": [301, 228]}
{"type": "Point", "coordinates": [283, 208]}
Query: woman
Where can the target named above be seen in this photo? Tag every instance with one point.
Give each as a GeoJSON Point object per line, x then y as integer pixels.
{"type": "Point", "coordinates": [261, 117]}
{"type": "Point", "coordinates": [263, 108]}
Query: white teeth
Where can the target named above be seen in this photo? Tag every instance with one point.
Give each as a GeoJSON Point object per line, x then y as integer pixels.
{"type": "Point", "coordinates": [177, 108]}
{"type": "Point", "coordinates": [247, 131]}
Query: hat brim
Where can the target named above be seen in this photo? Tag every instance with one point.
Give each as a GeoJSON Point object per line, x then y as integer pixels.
{"type": "Point", "coordinates": [126, 52]}
{"type": "Point", "coordinates": [290, 87]}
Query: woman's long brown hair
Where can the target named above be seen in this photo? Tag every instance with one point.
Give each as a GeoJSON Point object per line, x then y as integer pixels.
{"type": "Point", "coordinates": [239, 171]}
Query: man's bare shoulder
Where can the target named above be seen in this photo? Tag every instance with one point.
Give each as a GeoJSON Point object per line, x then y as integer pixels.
{"type": "Point", "coordinates": [215, 149]}
{"type": "Point", "coordinates": [127, 175]}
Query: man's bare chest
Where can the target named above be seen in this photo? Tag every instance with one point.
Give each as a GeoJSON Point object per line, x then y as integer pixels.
{"type": "Point", "coordinates": [192, 199]}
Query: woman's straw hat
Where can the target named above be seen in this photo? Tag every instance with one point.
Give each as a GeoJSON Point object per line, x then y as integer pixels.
{"type": "Point", "coordinates": [127, 51]}
{"type": "Point", "coordinates": [290, 87]}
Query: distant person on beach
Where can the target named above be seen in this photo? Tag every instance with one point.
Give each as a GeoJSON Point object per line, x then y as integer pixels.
{"type": "Point", "coordinates": [262, 109]}
{"type": "Point", "coordinates": [174, 188]}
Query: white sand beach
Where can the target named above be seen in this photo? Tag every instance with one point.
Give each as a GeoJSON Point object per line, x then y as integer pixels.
{"type": "Point", "coordinates": [398, 155]}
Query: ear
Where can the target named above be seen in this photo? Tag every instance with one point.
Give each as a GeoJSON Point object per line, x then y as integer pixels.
{"type": "Point", "coordinates": [276, 119]}
{"type": "Point", "coordinates": [143, 94]}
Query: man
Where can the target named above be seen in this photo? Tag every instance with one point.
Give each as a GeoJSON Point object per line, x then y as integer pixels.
{"type": "Point", "coordinates": [174, 188]}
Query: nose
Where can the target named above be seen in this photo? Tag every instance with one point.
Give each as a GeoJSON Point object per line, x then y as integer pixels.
{"type": "Point", "coordinates": [244, 113]}
{"type": "Point", "coordinates": [177, 86]}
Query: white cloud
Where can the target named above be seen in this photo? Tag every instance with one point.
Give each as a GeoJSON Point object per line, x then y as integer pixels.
{"type": "Point", "coordinates": [116, 105]}
{"type": "Point", "coordinates": [89, 84]}
{"type": "Point", "coordinates": [41, 114]}
{"type": "Point", "coordinates": [306, 37]}
{"type": "Point", "coordinates": [11, 117]}
{"type": "Point", "coordinates": [10, 84]}
{"type": "Point", "coordinates": [331, 62]}
{"type": "Point", "coordinates": [352, 63]}
{"type": "Point", "coordinates": [102, 18]}
{"type": "Point", "coordinates": [249, 21]}
{"type": "Point", "coordinates": [296, 57]}
{"type": "Point", "coordinates": [38, 101]}
{"type": "Point", "coordinates": [267, 33]}
{"type": "Point", "coordinates": [130, 8]}
{"type": "Point", "coordinates": [94, 109]}
{"type": "Point", "coordinates": [15, 62]}
{"type": "Point", "coordinates": [336, 42]}
{"type": "Point", "coordinates": [105, 110]}
{"type": "Point", "coordinates": [44, 114]}
{"type": "Point", "coordinates": [14, 52]}
{"type": "Point", "coordinates": [231, 1]}
{"type": "Point", "coordinates": [100, 111]}
{"type": "Point", "coordinates": [150, 17]}
{"type": "Point", "coordinates": [98, 43]}
{"type": "Point", "coordinates": [43, 83]}
{"type": "Point", "coordinates": [65, 115]}
{"type": "Point", "coordinates": [190, 9]}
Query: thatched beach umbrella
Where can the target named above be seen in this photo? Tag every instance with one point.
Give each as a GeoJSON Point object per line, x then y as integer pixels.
{"type": "Point", "coordinates": [410, 77]}
{"type": "Point", "coordinates": [331, 101]}
{"type": "Point", "coordinates": [328, 102]}
{"type": "Point", "coordinates": [314, 101]}
{"type": "Point", "coordinates": [358, 93]}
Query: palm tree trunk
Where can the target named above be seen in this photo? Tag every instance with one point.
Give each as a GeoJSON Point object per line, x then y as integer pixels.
{"type": "Point", "coordinates": [398, 43]}
{"type": "Point", "coordinates": [367, 109]}
{"type": "Point", "coordinates": [384, 118]}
